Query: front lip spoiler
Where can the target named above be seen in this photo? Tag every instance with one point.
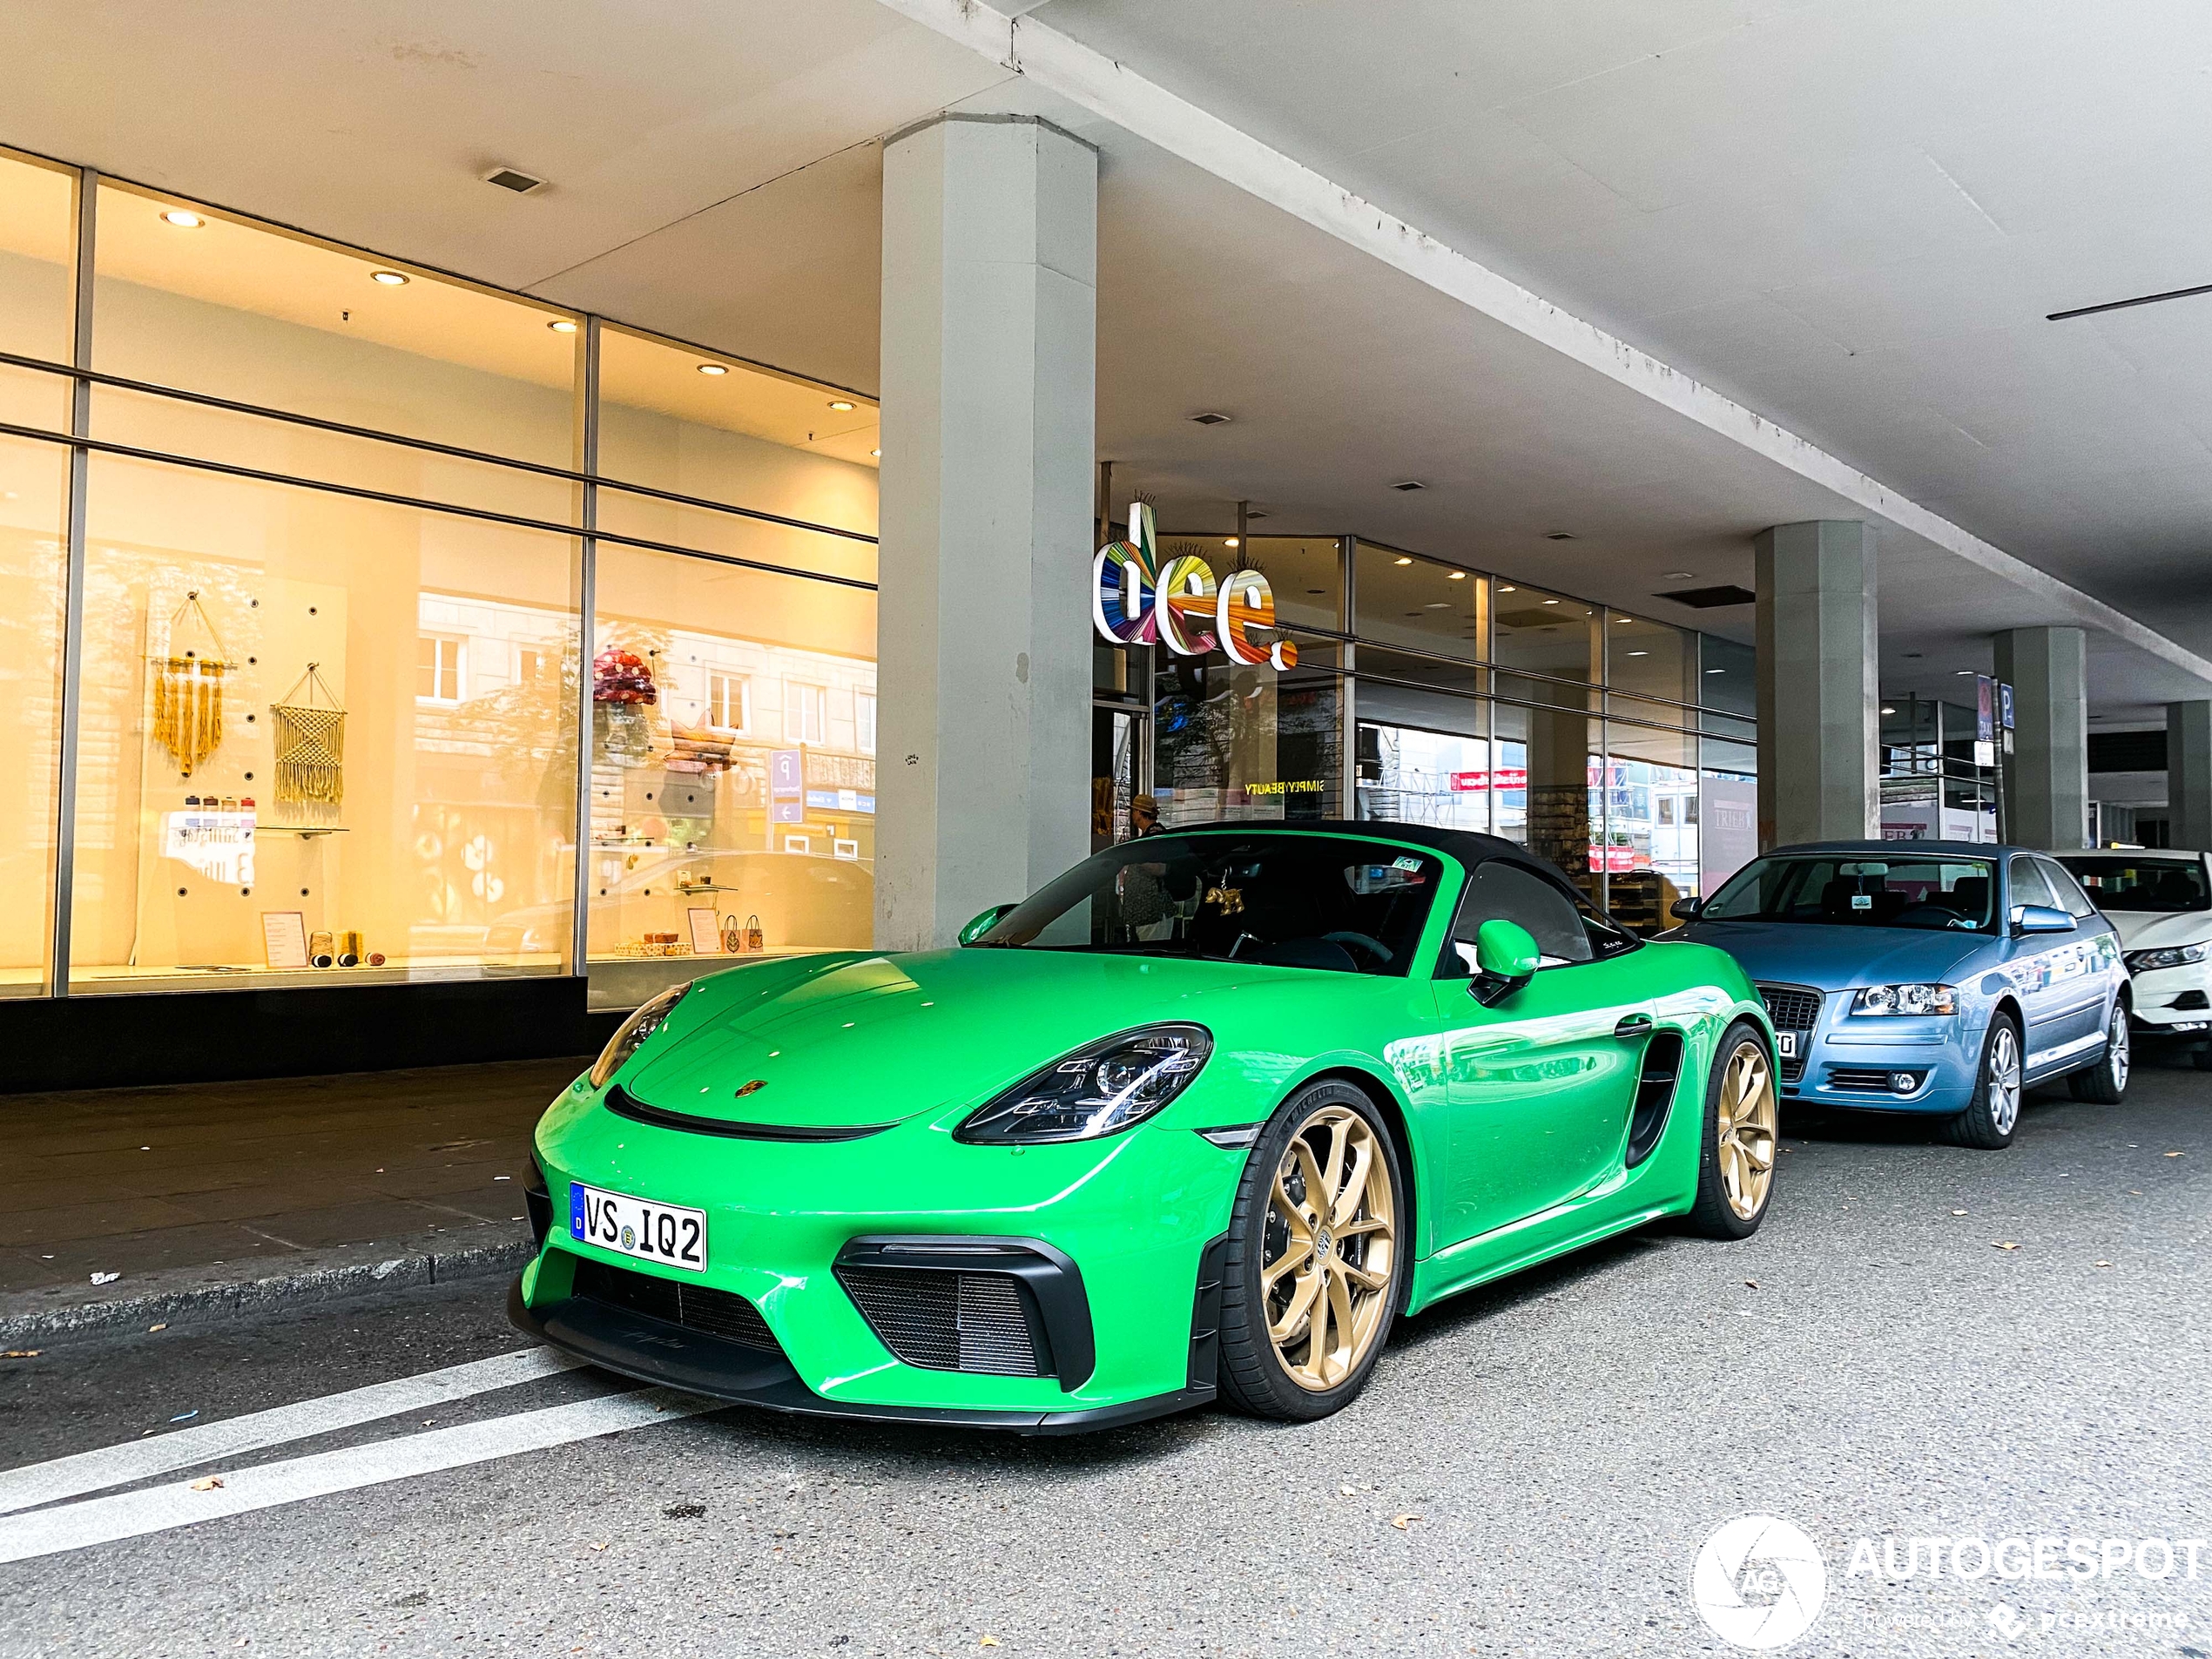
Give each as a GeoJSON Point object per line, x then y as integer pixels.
{"type": "Point", "coordinates": [655, 1351]}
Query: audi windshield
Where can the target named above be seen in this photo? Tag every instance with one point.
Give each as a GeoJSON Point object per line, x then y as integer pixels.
{"type": "Point", "coordinates": [1953, 895]}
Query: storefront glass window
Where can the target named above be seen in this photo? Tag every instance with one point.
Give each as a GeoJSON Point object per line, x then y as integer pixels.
{"type": "Point", "coordinates": [37, 234]}
{"type": "Point", "coordinates": [745, 437]}
{"type": "Point", "coordinates": [1422, 603]}
{"type": "Point", "coordinates": [1546, 634]}
{"type": "Point", "coordinates": [1649, 659]}
{"type": "Point", "coordinates": [318, 731]}
{"type": "Point", "coordinates": [1652, 820]}
{"type": "Point", "coordinates": [1248, 743]}
{"type": "Point", "coordinates": [1305, 572]}
{"type": "Point", "coordinates": [272, 318]}
{"type": "Point", "coordinates": [713, 842]}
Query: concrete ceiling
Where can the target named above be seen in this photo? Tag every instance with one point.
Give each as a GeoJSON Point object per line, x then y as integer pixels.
{"type": "Point", "coordinates": [1851, 217]}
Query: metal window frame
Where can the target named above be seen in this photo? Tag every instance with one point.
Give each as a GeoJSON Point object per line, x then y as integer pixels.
{"type": "Point", "coordinates": [59, 936]}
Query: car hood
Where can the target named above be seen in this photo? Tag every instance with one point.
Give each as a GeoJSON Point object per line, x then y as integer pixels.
{"type": "Point", "coordinates": [855, 1039]}
{"type": "Point", "coordinates": [2150, 929]}
{"type": "Point", "coordinates": [1833, 959]}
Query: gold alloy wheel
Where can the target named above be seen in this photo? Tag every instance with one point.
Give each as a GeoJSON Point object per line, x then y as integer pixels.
{"type": "Point", "coordinates": [1332, 1246]}
{"type": "Point", "coordinates": [1747, 1121]}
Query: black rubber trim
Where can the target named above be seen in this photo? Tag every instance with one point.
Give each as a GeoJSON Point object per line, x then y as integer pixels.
{"type": "Point", "coordinates": [655, 1351]}
{"type": "Point", "coordinates": [1206, 1315]}
{"type": "Point", "coordinates": [1055, 1300]}
{"type": "Point", "coordinates": [622, 1104]}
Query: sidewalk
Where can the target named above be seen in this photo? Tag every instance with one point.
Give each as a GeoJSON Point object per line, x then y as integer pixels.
{"type": "Point", "coordinates": [206, 1198]}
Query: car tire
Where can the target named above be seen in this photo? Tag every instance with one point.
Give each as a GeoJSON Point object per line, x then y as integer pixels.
{"type": "Point", "coordinates": [1993, 1115]}
{"type": "Point", "coordinates": [1277, 1360]}
{"type": "Point", "coordinates": [1740, 1137]}
{"type": "Point", "coordinates": [2105, 1082]}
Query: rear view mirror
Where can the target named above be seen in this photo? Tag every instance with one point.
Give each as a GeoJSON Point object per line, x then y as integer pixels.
{"type": "Point", "coordinates": [978, 926]}
{"type": "Point", "coordinates": [1504, 955]}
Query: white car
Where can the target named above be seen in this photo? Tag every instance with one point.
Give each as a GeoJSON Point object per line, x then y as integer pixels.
{"type": "Point", "coordinates": [2161, 903]}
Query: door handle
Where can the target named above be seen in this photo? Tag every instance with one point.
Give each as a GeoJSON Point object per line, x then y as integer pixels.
{"type": "Point", "coordinates": [1634, 1025]}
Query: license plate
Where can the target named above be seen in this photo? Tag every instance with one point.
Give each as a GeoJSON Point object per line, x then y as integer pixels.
{"type": "Point", "coordinates": [652, 1232]}
{"type": "Point", "coordinates": [1785, 1044]}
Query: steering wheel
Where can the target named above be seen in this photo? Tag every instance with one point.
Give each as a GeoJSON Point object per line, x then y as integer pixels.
{"type": "Point", "coordinates": [1375, 948]}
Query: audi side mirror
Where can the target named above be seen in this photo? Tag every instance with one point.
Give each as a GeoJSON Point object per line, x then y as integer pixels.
{"type": "Point", "coordinates": [1505, 956]}
{"type": "Point", "coordinates": [981, 925]}
{"type": "Point", "coordinates": [2041, 919]}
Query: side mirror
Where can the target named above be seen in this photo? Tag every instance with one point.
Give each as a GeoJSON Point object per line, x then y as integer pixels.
{"type": "Point", "coordinates": [981, 925]}
{"type": "Point", "coordinates": [2041, 919]}
{"type": "Point", "coordinates": [1687, 908]}
{"type": "Point", "coordinates": [1504, 955]}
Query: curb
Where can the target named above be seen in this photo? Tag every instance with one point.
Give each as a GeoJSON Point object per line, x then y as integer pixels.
{"type": "Point", "coordinates": [221, 1301]}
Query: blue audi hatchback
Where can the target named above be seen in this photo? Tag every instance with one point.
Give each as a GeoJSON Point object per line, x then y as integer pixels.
{"type": "Point", "coordinates": [1934, 977]}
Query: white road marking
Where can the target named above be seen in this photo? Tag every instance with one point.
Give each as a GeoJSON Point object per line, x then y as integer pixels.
{"type": "Point", "coordinates": [114, 1466]}
{"type": "Point", "coordinates": [133, 1514]}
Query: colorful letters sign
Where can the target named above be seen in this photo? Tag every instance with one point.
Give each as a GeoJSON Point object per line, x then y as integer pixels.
{"type": "Point", "coordinates": [1134, 601]}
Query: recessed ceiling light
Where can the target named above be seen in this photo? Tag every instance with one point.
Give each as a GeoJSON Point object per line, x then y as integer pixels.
{"type": "Point", "coordinates": [841, 404]}
{"type": "Point", "coordinates": [1551, 602]}
{"type": "Point", "coordinates": [1716, 670]}
{"type": "Point", "coordinates": [1404, 561]}
{"type": "Point", "coordinates": [183, 218]}
{"type": "Point", "coordinates": [1229, 541]}
{"type": "Point", "coordinates": [1624, 618]}
{"type": "Point", "coordinates": [1210, 417]}
{"type": "Point", "coordinates": [1508, 589]}
{"type": "Point", "coordinates": [1558, 535]}
{"type": "Point", "coordinates": [1455, 576]}
{"type": "Point", "coordinates": [878, 453]}
{"type": "Point", "coordinates": [713, 368]}
{"type": "Point", "coordinates": [1962, 673]}
{"type": "Point", "coordinates": [1438, 604]}
{"type": "Point", "coordinates": [389, 279]}
{"type": "Point", "coordinates": [1886, 709]}
{"type": "Point", "coordinates": [1639, 653]}
{"type": "Point", "coordinates": [1680, 576]}
{"type": "Point", "coordinates": [561, 325]}
{"type": "Point", "coordinates": [1409, 483]}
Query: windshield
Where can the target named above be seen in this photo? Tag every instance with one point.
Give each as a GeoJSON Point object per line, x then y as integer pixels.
{"type": "Point", "coordinates": [1322, 901]}
{"type": "Point", "coordinates": [1855, 890]}
{"type": "Point", "coordinates": [2172, 885]}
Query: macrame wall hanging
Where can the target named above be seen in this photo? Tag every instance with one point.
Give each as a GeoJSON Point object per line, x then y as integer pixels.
{"type": "Point", "coordinates": [188, 688]}
{"type": "Point", "coordinates": [310, 737]}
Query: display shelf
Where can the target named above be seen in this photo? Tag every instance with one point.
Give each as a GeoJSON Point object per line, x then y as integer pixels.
{"type": "Point", "coordinates": [305, 832]}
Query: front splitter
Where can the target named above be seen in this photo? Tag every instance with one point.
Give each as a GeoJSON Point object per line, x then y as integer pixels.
{"type": "Point", "coordinates": [655, 1350]}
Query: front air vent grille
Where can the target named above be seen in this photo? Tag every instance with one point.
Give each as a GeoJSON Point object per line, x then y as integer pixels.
{"type": "Point", "coordinates": [1794, 1008]}
{"type": "Point", "coordinates": [696, 1307]}
{"type": "Point", "coordinates": [940, 1321]}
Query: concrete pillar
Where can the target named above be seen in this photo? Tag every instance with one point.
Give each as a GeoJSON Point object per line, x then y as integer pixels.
{"type": "Point", "coordinates": [1819, 701]}
{"type": "Point", "coordinates": [990, 239]}
{"type": "Point", "coordinates": [2189, 774]}
{"type": "Point", "coordinates": [2046, 794]}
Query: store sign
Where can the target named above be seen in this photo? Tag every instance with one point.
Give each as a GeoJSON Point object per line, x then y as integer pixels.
{"type": "Point", "coordinates": [1135, 600]}
{"type": "Point", "coordinates": [1503, 778]}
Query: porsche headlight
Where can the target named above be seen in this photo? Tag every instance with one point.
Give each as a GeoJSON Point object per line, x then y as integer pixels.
{"type": "Point", "coordinates": [1101, 1089]}
{"type": "Point", "coordinates": [632, 1032]}
{"type": "Point", "coordinates": [2143, 962]}
{"type": "Point", "coordinates": [1905, 999]}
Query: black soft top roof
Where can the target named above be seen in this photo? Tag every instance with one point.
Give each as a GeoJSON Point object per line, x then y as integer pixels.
{"type": "Point", "coordinates": [1468, 847]}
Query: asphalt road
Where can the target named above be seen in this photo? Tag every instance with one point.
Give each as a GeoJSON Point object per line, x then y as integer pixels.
{"type": "Point", "coordinates": [1870, 1367]}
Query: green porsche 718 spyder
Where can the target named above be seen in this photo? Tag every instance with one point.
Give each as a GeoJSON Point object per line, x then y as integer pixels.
{"type": "Point", "coordinates": [1200, 1118]}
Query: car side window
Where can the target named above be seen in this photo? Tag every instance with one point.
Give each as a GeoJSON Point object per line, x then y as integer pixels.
{"type": "Point", "coordinates": [1500, 890]}
{"type": "Point", "coordinates": [2030, 887]}
{"type": "Point", "coordinates": [2072, 900]}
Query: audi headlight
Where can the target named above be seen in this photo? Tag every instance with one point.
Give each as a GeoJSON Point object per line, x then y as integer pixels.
{"type": "Point", "coordinates": [1101, 1089]}
{"type": "Point", "coordinates": [629, 1036]}
{"type": "Point", "coordinates": [1905, 999]}
{"type": "Point", "coordinates": [2141, 962]}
